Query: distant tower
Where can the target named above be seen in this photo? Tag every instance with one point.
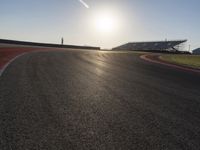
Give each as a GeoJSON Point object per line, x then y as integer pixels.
{"type": "Point", "coordinates": [62, 41]}
{"type": "Point", "coordinates": [189, 49]}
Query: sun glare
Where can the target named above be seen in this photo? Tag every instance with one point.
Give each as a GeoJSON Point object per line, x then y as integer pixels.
{"type": "Point", "coordinates": [105, 23]}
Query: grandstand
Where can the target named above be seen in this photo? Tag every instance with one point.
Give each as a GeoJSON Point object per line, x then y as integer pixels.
{"type": "Point", "coordinates": [161, 46]}
{"type": "Point", "coordinates": [196, 51]}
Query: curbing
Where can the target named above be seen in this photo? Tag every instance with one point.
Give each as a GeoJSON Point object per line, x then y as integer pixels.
{"type": "Point", "coordinates": [145, 57]}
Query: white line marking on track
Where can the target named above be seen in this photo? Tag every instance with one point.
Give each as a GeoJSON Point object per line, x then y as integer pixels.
{"type": "Point", "coordinates": [7, 64]}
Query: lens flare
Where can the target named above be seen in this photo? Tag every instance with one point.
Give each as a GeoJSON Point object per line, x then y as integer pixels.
{"type": "Point", "coordinates": [84, 3]}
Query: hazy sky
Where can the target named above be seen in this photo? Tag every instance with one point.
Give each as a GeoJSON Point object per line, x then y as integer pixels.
{"type": "Point", "coordinates": [135, 20]}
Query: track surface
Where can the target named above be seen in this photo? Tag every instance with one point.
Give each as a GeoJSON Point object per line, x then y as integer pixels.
{"type": "Point", "coordinates": [97, 100]}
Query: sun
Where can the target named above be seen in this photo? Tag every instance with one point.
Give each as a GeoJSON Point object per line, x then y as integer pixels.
{"type": "Point", "coordinates": [105, 23]}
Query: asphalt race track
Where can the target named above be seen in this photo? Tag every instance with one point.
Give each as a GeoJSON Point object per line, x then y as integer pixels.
{"type": "Point", "coordinates": [62, 100]}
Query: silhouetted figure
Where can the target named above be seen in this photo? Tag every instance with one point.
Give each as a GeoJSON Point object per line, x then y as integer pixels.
{"type": "Point", "coordinates": [62, 41]}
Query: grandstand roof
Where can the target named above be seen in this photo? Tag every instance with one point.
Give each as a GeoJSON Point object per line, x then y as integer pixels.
{"type": "Point", "coordinates": [151, 46]}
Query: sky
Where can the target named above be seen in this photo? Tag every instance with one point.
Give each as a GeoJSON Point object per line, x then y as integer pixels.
{"type": "Point", "coordinates": [81, 22]}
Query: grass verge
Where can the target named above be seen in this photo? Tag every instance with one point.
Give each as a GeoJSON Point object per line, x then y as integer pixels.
{"type": "Point", "coordinates": [185, 60]}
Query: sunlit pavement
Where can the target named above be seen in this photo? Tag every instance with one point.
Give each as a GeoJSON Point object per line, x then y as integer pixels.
{"type": "Point", "coordinates": [97, 100]}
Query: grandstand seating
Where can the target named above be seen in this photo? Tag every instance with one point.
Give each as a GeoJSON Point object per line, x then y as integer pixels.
{"type": "Point", "coordinates": [152, 46]}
